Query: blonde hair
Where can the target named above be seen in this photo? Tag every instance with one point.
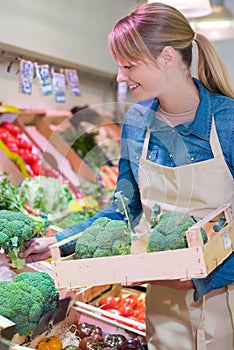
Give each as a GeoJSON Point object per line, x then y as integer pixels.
{"type": "Point", "coordinates": [149, 28]}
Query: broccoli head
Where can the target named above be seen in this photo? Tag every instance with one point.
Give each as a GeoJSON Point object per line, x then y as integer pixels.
{"type": "Point", "coordinates": [15, 229]}
{"type": "Point", "coordinates": [21, 304]}
{"type": "Point", "coordinates": [109, 237]}
{"type": "Point", "coordinates": [170, 232]}
{"type": "Point", "coordinates": [44, 284]}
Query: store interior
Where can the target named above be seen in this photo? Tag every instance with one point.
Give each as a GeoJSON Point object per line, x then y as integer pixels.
{"type": "Point", "coordinates": [78, 155]}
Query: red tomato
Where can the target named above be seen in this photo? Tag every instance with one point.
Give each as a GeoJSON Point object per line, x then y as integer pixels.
{"type": "Point", "coordinates": [25, 144]}
{"type": "Point", "coordinates": [109, 302]}
{"type": "Point", "coordinates": [12, 146]}
{"type": "Point", "coordinates": [13, 129]}
{"type": "Point", "coordinates": [126, 311]}
{"type": "Point", "coordinates": [4, 134]}
{"type": "Point", "coordinates": [29, 157]}
{"type": "Point", "coordinates": [36, 168]}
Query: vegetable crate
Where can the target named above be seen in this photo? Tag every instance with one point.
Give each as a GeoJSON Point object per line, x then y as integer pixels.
{"type": "Point", "coordinates": [197, 260]}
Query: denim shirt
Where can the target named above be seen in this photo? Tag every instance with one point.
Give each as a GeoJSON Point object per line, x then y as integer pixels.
{"type": "Point", "coordinates": [169, 146]}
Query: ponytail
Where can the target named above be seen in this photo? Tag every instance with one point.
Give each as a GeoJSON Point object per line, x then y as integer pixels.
{"type": "Point", "coordinates": [211, 70]}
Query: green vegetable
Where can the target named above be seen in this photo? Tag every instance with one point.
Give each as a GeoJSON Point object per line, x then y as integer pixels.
{"type": "Point", "coordinates": [45, 285]}
{"type": "Point", "coordinates": [122, 206]}
{"type": "Point", "coordinates": [169, 232]}
{"type": "Point", "coordinates": [21, 304]}
{"type": "Point", "coordinates": [15, 229]}
{"type": "Point", "coordinates": [105, 237]}
{"type": "Point", "coordinates": [11, 200]}
{"type": "Point", "coordinates": [47, 194]}
{"type": "Point", "coordinates": [9, 194]}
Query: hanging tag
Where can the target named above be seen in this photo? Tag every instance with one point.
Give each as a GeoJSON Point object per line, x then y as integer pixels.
{"type": "Point", "coordinates": [26, 77]}
{"type": "Point", "coordinates": [59, 87]}
{"type": "Point", "coordinates": [73, 82]}
{"type": "Point", "coordinates": [44, 79]}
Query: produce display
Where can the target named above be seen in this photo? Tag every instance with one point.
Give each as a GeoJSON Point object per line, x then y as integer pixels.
{"type": "Point", "coordinates": [17, 143]}
{"type": "Point", "coordinates": [105, 237]}
{"type": "Point", "coordinates": [47, 194]}
{"type": "Point", "coordinates": [11, 200]}
{"type": "Point", "coordinates": [86, 336]}
{"type": "Point", "coordinates": [129, 305]}
{"type": "Point", "coordinates": [169, 231]}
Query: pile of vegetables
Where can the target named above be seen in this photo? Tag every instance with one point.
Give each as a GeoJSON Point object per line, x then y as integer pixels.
{"type": "Point", "coordinates": [19, 144]}
{"type": "Point", "coordinates": [47, 194]}
{"type": "Point", "coordinates": [25, 300]}
{"type": "Point", "coordinates": [129, 305]}
{"type": "Point", "coordinates": [169, 230]}
{"type": "Point", "coordinates": [90, 336]}
{"type": "Point", "coordinates": [11, 200]}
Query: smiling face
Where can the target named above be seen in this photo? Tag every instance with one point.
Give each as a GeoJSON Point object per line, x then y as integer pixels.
{"type": "Point", "coordinates": [142, 78]}
{"type": "Point", "coordinates": [150, 78]}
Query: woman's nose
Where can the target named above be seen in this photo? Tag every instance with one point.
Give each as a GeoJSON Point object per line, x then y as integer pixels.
{"type": "Point", "coordinates": [121, 76]}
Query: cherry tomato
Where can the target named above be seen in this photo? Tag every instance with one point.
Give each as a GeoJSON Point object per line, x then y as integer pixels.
{"type": "Point", "coordinates": [126, 311]}
{"type": "Point", "coordinates": [25, 144]}
{"type": "Point", "coordinates": [4, 134]}
{"type": "Point", "coordinates": [109, 302]}
{"type": "Point", "coordinates": [12, 146]}
{"type": "Point", "coordinates": [36, 168]}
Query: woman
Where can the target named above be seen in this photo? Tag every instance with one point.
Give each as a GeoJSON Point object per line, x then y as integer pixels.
{"type": "Point", "coordinates": [176, 150]}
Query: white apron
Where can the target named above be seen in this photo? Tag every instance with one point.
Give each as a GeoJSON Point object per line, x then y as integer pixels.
{"type": "Point", "coordinates": [173, 320]}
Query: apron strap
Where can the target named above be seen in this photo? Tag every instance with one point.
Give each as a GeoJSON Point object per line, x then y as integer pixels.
{"type": "Point", "coordinates": [146, 144]}
{"type": "Point", "coordinates": [214, 141]}
{"type": "Point", "coordinates": [201, 339]}
{"type": "Point", "coordinates": [230, 301]}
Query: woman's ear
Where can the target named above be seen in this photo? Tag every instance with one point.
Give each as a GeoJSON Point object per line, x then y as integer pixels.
{"type": "Point", "coordinates": [167, 56]}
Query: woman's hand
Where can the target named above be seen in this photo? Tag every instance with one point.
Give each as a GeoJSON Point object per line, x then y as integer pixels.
{"type": "Point", "coordinates": [37, 249]}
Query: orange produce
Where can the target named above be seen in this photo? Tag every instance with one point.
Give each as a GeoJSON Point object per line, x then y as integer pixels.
{"type": "Point", "coordinates": [50, 343]}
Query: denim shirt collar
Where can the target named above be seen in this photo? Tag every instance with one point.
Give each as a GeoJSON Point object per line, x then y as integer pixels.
{"type": "Point", "coordinates": [199, 127]}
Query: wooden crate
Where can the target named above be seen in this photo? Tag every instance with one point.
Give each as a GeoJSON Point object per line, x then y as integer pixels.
{"type": "Point", "coordinates": [197, 260]}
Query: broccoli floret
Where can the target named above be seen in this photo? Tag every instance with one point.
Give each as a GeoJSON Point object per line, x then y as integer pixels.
{"type": "Point", "coordinates": [170, 232]}
{"type": "Point", "coordinates": [101, 252]}
{"type": "Point", "coordinates": [45, 284]}
{"type": "Point", "coordinates": [101, 221]}
{"type": "Point", "coordinates": [104, 233]}
{"type": "Point", "coordinates": [15, 229]}
{"type": "Point", "coordinates": [121, 247]}
{"type": "Point", "coordinates": [156, 242]}
{"type": "Point", "coordinates": [86, 243]}
{"type": "Point", "coordinates": [21, 304]}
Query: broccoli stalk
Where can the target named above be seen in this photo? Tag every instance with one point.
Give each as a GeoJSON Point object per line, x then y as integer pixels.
{"type": "Point", "coordinates": [122, 207]}
{"type": "Point", "coordinates": [15, 229]}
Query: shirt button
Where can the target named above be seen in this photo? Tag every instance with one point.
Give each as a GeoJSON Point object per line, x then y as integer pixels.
{"type": "Point", "coordinates": [170, 155]}
{"type": "Point", "coordinates": [192, 158]}
{"type": "Point", "coordinates": [173, 130]}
